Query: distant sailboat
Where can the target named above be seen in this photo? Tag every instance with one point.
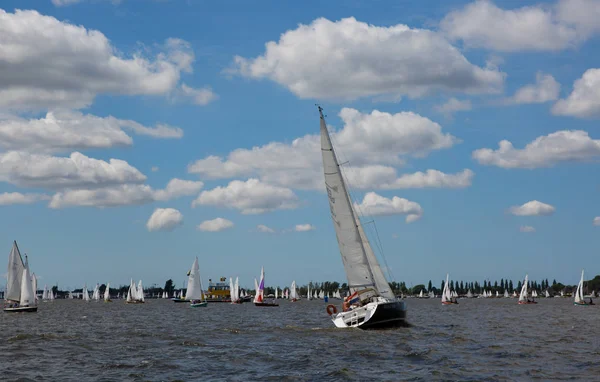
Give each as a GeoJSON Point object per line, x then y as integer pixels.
{"type": "Point", "coordinates": [469, 294]}
{"type": "Point", "coordinates": [579, 294]}
{"type": "Point", "coordinates": [107, 293]}
{"type": "Point", "coordinates": [135, 295]}
{"type": "Point", "coordinates": [194, 288]}
{"type": "Point", "coordinates": [523, 298]}
{"type": "Point", "coordinates": [96, 293]}
{"type": "Point", "coordinates": [259, 297]}
{"type": "Point", "coordinates": [447, 295]}
{"type": "Point", "coordinates": [84, 293]}
{"type": "Point", "coordinates": [235, 291]}
{"type": "Point", "coordinates": [506, 295]}
{"type": "Point", "coordinates": [293, 293]}
{"type": "Point", "coordinates": [19, 295]}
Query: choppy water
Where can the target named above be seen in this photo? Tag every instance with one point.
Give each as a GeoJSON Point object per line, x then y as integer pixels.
{"type": "Point", "coordinates": [480, 339]}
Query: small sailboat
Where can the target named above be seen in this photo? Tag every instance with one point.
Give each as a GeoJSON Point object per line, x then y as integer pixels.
{"type": "Point", "coordinates": [107, 293]}
{"type": "Point", "coordinates": [506, 295]}
{"type": "Point", "coordinates": [259, 297]}
{"type": "Point", "coordinates": [135, 295]}
{"type": "Point", "coordinates": [469, 294]}
{"type": "Point", "coordinates": [546, 294]}
{"type": "Point", "coordinates": [579, 294]}
{"type": "Point", "coordinates": [293, 293]}
{"type": "Point", "coordinates": [194, 292]}
{"type": "Point", "coordinates": [523, 298]}
{"type": "Point", "coordinates": [372, 303]}
{"type": "Point", "coordinates": [84, 293]}
{"type": "Point", "coordinates": [19, 295]}
{"type": "Point", "coordinates": [234, 291]}
{"type": "Point", "coordinates": [96, 293]}
{"type": "Point", "coordinates": [447, 298]}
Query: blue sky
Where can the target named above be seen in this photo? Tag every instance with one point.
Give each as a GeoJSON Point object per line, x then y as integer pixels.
{"type": "Point", "coordinates": [407, 87]}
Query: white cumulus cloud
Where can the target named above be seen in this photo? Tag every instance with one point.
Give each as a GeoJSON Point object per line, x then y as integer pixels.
{"type": "Point", "coordinates": [453, 105]}
{"type": "Point", "coordinates": [584, 100]}
{"type": "Point", "coordinates": [249, 197]}
{"type": "Point", "coordinates": [164, 219]}
{"type": "Point", "coordinates": [596, 221]}
{"type": "Point", "coordinates": [304, 227]}
{"type": "Point", "coordinates": [349, 59]}
{"type": "Point", "coordinates": [370, 142]}
{"type": "Point", "coordinates": [215, 225]}
{"type": "Point", "coordinates": [563, 25]}
{"type": "Point", "coordinates": [526, 229]}
{"type": "Point", "coordinates": [263, 228]}
{"type": "Point", "coordinates": [532, 208]}
{"type": "Point", "coordinates": [8, 198]}
{"type": "Point", "coordinates": [123, 195]}
{"type": "Point", "coordinates": [48, 63]}
{"type": "Point", "coordinates": [544, 151]}
{"type": "Point", "coordinates": [76, 171]}
{"type": "Point", "coordinates": [63, 131]}
{"type": "Point", "coordinates": [374, 205]}
{"type": "Point", "coordinates": [545, 89]}
{"type": "Point", "coordinates": [202, 96]}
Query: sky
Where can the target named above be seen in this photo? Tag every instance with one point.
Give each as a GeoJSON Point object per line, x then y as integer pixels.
{"type": "Point", "coordinates": [136, 135]}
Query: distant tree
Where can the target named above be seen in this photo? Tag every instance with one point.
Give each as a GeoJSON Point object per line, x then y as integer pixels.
{"type": "Point", "coordinates": [451, 284]}
{"type": "Point", "coordinates": [55, 289]}
{"type": "Point", "coordinates": [102, 288]}
{"type": "Point", "coordinates": [462, 287]}
{"type": "Point", "coordinates": [418, 288]}
{"type": "Point", "coordinates": [495, 285]}
{"type": "Point", "coordinates": [442, 286]}
{"type": "Point", "coordinates": [519, 285]}
{"type": "Point", "coordinates": [553, 282]}
{"type": "Point", "coordinates": [510, 286]}
{"type": "Point", "coordinates": [169, 287]}
{"type": "Point", "coordinates": [429, 286]}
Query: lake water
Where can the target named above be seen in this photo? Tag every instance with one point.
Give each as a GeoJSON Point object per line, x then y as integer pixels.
{"type": "Point", "coordinates": [479, 339]}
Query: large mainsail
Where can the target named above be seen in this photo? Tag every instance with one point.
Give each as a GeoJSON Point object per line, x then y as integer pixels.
{"type": "Point", "coordinates": [446, 296]}
{"type": "Point", "coordinates": [259, 296]}
{"type": "Point", "coordinates": [360, 263]}
{"type": "Point", "coordinates": [15, 274]}
{"type": "Point", "coordinates": [523, 295]}
{"type": "Point", "coordinates": [194, 291]}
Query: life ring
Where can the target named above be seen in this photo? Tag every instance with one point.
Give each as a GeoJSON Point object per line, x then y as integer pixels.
{"type": "Point", "coordinates": [331, 309]}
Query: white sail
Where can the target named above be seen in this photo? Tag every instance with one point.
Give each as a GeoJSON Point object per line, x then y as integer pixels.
{"type": "Point", "coordinates": [45, 293]}
{"type": "Point", "coordinates": [140, 291]}
{"type": "Point", "coordinates": [506, 293]}
{"type": "Point", "coordinates": [261, 286]}
{"type": "Point", "coordinates": [26, 298]}
{"type": "Point", "coordinates": [308, 296]}
{"type": "Point", "coordinates": [96, 293]}
{"type": "Point", "coordinates": [70, 295]}
{"type": "Point", "coordinates": [236, 289]}
{"type": "Point", "coordinates": [107, 292]}
{"type": "Point", "coordinates": [84, 293]}
{"type": "Point", "coordinates": [523, 295]}
{"type": "Point", "coordinates": [34, 287]}
{"type": "Point", "coordinates": [446, 291]}
{"type": "Point", "coordinates": [579, 291]}
{"type": "Point", "coordinates": [51, 295]}
{"type": "Point", "coordinates": [276, 292]}
{"type": "Point", "coordinates": [194, 291]}
{"type": "Point", "coordinates": [350, 241]}
{"type": "Point", "coordinates": [14, 275]}
{"type": "Point", "coordinates": [469, 294]}
{"type": "Point", "coordinates": [293, 295]}
{"type": "Point", "coordinates": [546, 293]}
{"type": "Point", "coordinates": [131, 292]}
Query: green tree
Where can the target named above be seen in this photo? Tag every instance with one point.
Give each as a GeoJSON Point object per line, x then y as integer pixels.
{"type": "Point", "coordinates": [429, 286]}
{"type": "Point", "coordinates": [510, 286]}
{"type": "Point", "coordinates": [169, 286]}
{"type": "Point", "coordinates": [418, 288]}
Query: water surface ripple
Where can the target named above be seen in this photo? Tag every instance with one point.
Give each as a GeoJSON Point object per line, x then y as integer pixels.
{"type": "Point", "coordinates": [480, 339]}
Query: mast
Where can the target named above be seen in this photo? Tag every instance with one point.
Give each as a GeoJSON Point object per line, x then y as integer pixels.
{"type": "Point", "coordinates": [346, 223]}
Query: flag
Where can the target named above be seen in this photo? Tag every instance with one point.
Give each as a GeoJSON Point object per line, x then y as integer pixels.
{"type": "Point", "coordinates": [353, 298]}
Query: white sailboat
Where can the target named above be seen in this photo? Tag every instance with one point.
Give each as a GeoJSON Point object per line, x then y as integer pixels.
{"type": "Point", "coordinates": [45, 293]}
{"type": "Point", "coordinates": [447, 298]}
{"type": "Point", "coordinates": [506, 295]}
{"type": "Point", "coordinates": [579, 294]}
{"type": "Point", "coordinates": [293, 293]}
{"type": "Point", "coordinates": [194, 287]}
{"type": "Point", "coordinates": [19, 295]}
{"type": "Point", "coordinates": [372, 303]}
{"type": "Point", "coordinates": [96, 293]}
{"type": "Point", "coordinates": [308, 296]}
{"type": "Point", "coordinates": [84, 293]}
{"type": "Point", "coordinates": [469, 294]}
{"type": "Point", "coordinates": [259, 298]}
{"type": "Point", "coordinates": [523, 297]}
{"type": "Point", "coordinates": [135, 295]}
{"type": "Point", "coordinates": [107, 293]}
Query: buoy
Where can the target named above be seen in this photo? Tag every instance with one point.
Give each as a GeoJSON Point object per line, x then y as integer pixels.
{"type": "Point", "coordinates": [331, 309]}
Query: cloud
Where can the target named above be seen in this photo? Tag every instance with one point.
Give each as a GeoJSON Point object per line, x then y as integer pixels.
{"type": "Point", "coordinates": [304, 227]}
{"type": "Point", "coordinates": [63, 131]}
{"type": "Point", "coordinates": [596, 221]}
{"type": "Point", "coordinates": [178, 187]}
{"type": "Point", "coordinates": [215, 225]}
{"type": "Point", "coordinates": [202, 96]}
{"type": "Point", "coordinates": [48, 64]}
{"type": "Point", "coordinates": [250, 197]}
{"type": "Point", "coordinates": [370, 142]}
{"type": "Point", "coordinates": [76, 171]}
{"type": "Point", "coordinates": [584, 101]}
{"type": "Point", "coordinates": [430, 179]}
{"type": "Point", "coordinates": [374, 205]}
{"type": "Point", "coordinates": [545, 89]}
{"type": "Point", "coordinates": [8, 198]}
{"type": "Point", "coordinates": [544, 151]}
{"type": "Point", "coordinates": [64, 3]}
{"type": "Point", "coordinates": [532, 208]}
{"type": "Point", "coordinates": [482, 24]}
{"type": "Point", "coordinates": [264, 228]}
{"type": "Point", "coordinates": [453, 105]}
{"type": "Point", "coordinates": [526, 228]}
{"type": "Point", "coordinates": [349, 59]}
{"type": "Point", "coordinates": [154, 168]}
{"type": "Point", "coordinates": [164, 219]}
{"type": "Point", "coordinates": [123, 195]}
